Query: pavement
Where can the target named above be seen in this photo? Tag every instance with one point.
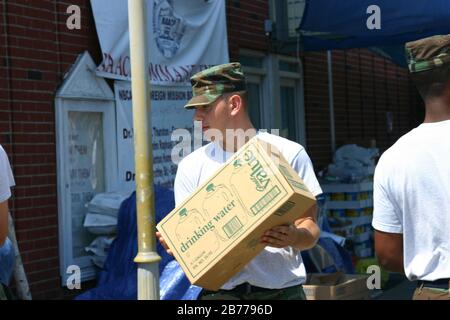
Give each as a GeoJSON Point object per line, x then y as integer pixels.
{"type": "Point", "coordinates": [397, 288]}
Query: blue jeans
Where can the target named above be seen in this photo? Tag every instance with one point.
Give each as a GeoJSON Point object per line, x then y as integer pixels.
{"type": "Point", "coordinates": [7, 260]}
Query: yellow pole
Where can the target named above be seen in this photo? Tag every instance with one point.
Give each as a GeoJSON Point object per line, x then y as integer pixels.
{"type": "Point", "coordinates": [147, 257]}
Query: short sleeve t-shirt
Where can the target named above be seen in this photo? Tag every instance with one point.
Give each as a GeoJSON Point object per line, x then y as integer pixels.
{"type": "Point", "coordinates": [412, 197]}
{"type": "Point", "coordinates": [6, 176]}
{"type": "Point", "coordinates": [273, 268]}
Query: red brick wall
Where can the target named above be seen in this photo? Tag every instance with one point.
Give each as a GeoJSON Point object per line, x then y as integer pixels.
{"type": "Point", "coordinates": [37, 44]}
{"type": "Point", "coordinates": [245, 25]}
{"type": "Point", "coordinates": [365, 88]}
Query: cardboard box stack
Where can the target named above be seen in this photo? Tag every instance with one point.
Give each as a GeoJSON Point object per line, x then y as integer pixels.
{"type": "Point", "coordinates": [217, 230]}
{"type": "Point", "coordinates": [349, 208]}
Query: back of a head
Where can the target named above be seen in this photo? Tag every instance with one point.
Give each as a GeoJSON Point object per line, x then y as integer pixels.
{"type": "Point", "coordinates": [429, 64]}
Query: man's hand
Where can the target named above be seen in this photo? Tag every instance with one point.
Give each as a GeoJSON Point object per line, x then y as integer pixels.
{"type": "Point", "coordinates": [281, 236]}
{"type": "Point", "coordinates": [163, 243]}
{"type": "Point", "coordinates": [302, 234]}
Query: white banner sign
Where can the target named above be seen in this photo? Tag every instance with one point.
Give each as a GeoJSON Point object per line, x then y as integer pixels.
{"type": "Point", "coordinates": [184, 37]}
{"type": "Point", "coordinates": [168, 114]}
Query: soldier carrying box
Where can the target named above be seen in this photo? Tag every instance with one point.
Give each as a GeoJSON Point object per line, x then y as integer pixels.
{"type": "Point", "coordinates": [220, 103]}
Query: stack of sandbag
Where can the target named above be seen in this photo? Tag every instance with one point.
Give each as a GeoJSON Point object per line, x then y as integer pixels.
{"type": "Point", "coordinates": [352, 163]}
{"type": "Point", "coordinates": [101, 220]}
{"type": "Point", "coordinates": [99, 249]}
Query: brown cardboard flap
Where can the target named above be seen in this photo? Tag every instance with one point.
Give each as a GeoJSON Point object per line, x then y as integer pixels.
{"type": "Point", "coordinates": [336, 286]}
{"type": "Point", "coordinates": [331, 279]}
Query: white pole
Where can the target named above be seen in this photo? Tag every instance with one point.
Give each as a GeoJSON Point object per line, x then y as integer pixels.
{"type": "Point", "coordinates": [331, 102]}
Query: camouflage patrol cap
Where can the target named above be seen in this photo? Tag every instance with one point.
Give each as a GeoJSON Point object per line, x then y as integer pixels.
{"type": "Point", "coordinates": [428, 53]}
{"type": "Point", "coordinates": [210, 84]}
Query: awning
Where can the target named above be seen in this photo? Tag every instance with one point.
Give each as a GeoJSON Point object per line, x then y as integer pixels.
{"type": "Point", "coordinates": [382, 26]}
{"type": "Point", "coordinates": [342, 24]}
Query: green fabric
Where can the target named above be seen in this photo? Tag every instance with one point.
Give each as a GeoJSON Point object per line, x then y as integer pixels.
{"type": "Point", "coordinates": [210, 84]}
{"type": "Point", "coordinates": [5, 293]}
{"type": "Point", "coordinates": [429, 53]}
{"type": "Point", "coordinates": [290, 293]}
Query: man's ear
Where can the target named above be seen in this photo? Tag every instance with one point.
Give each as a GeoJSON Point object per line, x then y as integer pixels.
{"type": "Point", "coordinates": [235, 103]}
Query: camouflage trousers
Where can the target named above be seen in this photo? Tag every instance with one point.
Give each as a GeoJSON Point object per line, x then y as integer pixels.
{"type": "Point", "coordinates": [249, 292]}
{"type": "Point", "coordinates": [431, 291]}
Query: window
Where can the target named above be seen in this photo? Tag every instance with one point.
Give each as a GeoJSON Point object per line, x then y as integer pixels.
{"type": "Point", "coordinates": [275, 93]}
{"type": "Point", "coordinates": [291, 106]}
{"type": "Point", "coordinates": [255, 72]}
{"type": "Point", "coordinates": [287, 110]}
{"type": "Point", "coordinates": [86, 171]}
{"type": "Point", "coordinates": [254, 100]}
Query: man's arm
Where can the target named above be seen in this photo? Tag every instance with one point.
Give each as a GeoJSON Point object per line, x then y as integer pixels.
{"type": "Point", "coordinates": [302, 235]}
{"type": "Point", "coordinates": [389, 250]}
{"type": "Point", "coordinates": [3, 221]}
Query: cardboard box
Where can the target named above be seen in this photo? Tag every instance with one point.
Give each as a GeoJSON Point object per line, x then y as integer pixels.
{"type": "Point", "coordinates": [356, 204]}
{"type": "Point", "coordinates": [217, 231]}
{"type": "Point", "coordinates": [347, 187]}
{"type": "Point", "coordinates": [336, 286]}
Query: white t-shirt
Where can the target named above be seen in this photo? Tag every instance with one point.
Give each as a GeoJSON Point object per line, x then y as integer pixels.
{"type": "Point", "coordinates": [273, 268]}
{"type": "Point", "coordinates": [412, 197]}
{"type": "Point", "coordinates": [6, 176]}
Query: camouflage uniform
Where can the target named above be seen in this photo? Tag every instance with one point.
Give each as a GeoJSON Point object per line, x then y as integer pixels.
{"type": "Point", "coordinates": [429, 53]}
{"type": "Point", "coordinates": [208, 85]}
{"type": "Point", "coordinates": [248, 292]}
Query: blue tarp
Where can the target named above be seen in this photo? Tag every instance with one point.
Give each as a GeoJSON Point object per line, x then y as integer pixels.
{"type": "Point", "coordinates": [341, 257]}
{"type": "Point", "coordinates": [7, 259]}
{"type": "Point", "coordinates": [118, 280]}
{"type": "Point", "coordinates": [341, 24]}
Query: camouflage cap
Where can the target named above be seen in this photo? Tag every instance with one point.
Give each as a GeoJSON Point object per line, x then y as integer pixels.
{"type": "Point", "coordinates": [210, 84]}
{"type": "Point", "coordinates": [428, 53]}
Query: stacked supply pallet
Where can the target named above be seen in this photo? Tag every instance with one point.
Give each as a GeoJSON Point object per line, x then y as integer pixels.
{"type": "Point", "coordinates": [349, 208]}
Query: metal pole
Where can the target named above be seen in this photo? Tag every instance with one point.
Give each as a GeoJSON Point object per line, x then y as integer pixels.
{"type": "Point", "coordinates": [147, 257]}
{"type": "Point", "coordinates": [331, 102]}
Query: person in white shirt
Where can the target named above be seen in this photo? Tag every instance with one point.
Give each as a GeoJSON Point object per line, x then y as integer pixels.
{"type": "Point", "coordinates": [6, 249]}
{"type": "Point", "coordinates": [6, 181]}
{"type": "Point", "coordinates": [412, 181]}
{"type": "Point", "coordinates": [220, 104]}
